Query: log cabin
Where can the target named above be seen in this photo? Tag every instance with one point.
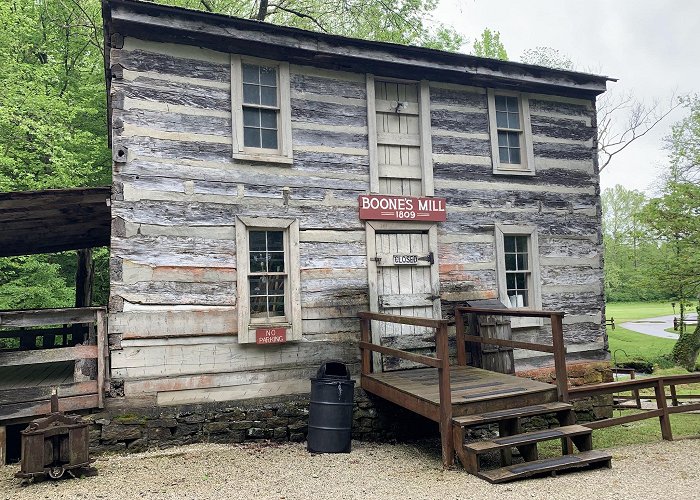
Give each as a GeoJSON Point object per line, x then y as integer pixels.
{"type": "Point", "coordinates": [270, 183]}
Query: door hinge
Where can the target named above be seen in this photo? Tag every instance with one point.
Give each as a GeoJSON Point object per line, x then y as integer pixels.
{"type": "Point", "coordinates": [375, 259]}
{"type": "Point", "coordinates": [428, 258]}
{"type": "Point", "coordinates": [433, 297]}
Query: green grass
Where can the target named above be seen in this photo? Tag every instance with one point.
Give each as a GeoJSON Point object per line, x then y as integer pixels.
{"type": "Point", "coordinates": [628, 311]}
{"type": "Point", "coordinates": [637, 345]}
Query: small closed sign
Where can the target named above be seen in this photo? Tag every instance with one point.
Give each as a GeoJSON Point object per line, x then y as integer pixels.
{"type": "Point", "coordinates": [270, 335]}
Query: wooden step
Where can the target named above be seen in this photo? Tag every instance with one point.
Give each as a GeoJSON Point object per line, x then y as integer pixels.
{"type": "Point", "coordinates": [527, 438]}
{"type": "Point", "coordinates": [497, 416]}
{"type": "Point", "coordinates": [548, 465]}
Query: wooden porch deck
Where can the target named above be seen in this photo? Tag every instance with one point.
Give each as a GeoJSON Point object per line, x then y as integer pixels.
{"type": "Point", "coordinates": [473, 390]}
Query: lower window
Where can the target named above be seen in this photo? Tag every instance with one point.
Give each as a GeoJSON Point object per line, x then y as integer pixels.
{"type": "Point", "coordinates": [268, 279]}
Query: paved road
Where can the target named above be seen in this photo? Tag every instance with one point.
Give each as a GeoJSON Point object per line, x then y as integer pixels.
{"type": "Point", "coordinates": [655, 326]}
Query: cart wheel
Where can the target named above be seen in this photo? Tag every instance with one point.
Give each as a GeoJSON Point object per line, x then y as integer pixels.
{"type": "Point", "coordinates": [56, 472]}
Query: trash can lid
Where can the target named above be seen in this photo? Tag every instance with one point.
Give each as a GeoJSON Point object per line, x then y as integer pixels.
{"type": "Point", "coordinates": [333, 369]}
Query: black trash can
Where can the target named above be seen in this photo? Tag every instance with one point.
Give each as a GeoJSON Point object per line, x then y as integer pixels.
{"type": "Point", "coordinates": [330, 411]}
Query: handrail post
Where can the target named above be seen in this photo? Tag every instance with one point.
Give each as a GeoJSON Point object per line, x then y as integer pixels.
{"type": "Point", "coordinates": [442, 351]}
{"type": "Point", "coordinates": [664, 420]}
{"type": "Point", "coordinates": [365, 354]}
{"type": "Point", "coordinates": [461, 347]}
{"type": "Point", "coordinates": [101, 331]}
{"type": "Point", "coordinates": [560, 357]}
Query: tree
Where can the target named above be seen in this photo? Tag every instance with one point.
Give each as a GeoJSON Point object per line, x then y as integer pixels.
{"type": "Point", "coordinates": [674, 218]}
{"type": "Point", "coordinates": [489, 45]}
{"type": "Point", "coordinates": [547, 56]}
{"type": "Point", "coordinates": [397, 21]}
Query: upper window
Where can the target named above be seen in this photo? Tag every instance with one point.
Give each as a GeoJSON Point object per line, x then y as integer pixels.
{"type": "Point", "coordinates": [261, 110]}
{"type": "Point", "coordinates": [511, 138]}
{"type": "Point", "coordinates": [268, 277]}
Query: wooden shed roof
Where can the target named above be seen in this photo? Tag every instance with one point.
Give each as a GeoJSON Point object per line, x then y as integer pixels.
{"type": "Point", "coordinates": [54, 220]}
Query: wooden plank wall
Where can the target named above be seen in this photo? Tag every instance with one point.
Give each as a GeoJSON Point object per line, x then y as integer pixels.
{"type": "Point", "coordinates": [173, 256]}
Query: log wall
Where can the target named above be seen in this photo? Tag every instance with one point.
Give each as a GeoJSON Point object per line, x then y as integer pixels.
{"type": "Point", "coordinates": [173, 265]}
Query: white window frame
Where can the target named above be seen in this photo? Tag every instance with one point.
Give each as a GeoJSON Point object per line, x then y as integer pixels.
{"type": "Point", "coordinates": [527, 156]}
{"type": "Point", "coordinates": [292, 319]}
{"type": "Point", "coordinates": [283, 153]}
{"type": "Point", "coordinates": [535, 285]}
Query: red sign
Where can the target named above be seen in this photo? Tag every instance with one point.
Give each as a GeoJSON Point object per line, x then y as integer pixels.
{"type": "Point", "coordinates": [270, 335]}
{"type": "Point", "coordinates": [384, 207]}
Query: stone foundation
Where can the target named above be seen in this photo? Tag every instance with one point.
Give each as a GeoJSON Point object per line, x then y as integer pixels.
{"type": "Point", "coordinates": [589, 409]}
{"type": "Point", "coordinates": [120, 428]}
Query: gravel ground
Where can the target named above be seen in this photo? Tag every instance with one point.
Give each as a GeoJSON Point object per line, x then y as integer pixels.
{"type": "Point", "coordinates": [659, 470]}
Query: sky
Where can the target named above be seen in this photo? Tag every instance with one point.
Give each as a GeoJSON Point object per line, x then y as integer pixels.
{"type": "Point", "coordinates": [651, 47]}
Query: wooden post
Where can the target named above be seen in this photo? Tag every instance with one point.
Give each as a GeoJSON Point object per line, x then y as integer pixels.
{"type": "Point", "coordinates": [635, 393]}
{"type": "Point", "coordinates": [474, 348]}
{"type": "Point", "coordinates": [461, 347]}
{"type": "Point", "coordinates": [101, 321]}
{"type": "Point", "coordinates": [664, 418]}
{"type": "Point", "coordinates": [3, 445]}
{"type": "Point", "coordinates": [674, 396]}
{"type": "Point", "coordinates": [366, 354]}
{"type": "Point", "coordinates": [443, 354]}
{"type": "Point", "coordinates": [560, 357]}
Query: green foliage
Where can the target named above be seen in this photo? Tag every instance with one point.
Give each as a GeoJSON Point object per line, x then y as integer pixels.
{"type": "Point", "coordinates": [407, 22]}
{"type": "Point", "coordinates": [548, 57]}
{"type": "Point", "coordinates": [489, 45]}
{"type": "Point", "coordinates": [32, 282]}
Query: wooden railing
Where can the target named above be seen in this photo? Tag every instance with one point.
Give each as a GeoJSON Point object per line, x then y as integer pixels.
{"type": "Point", "coordinates": [22, 402]}
{"type": "Point", "coordinates": [557, 348]}
{"type": "Point", "coordinates": [441, 361]}
{"type": "Point", "coordinates": [659, 385]}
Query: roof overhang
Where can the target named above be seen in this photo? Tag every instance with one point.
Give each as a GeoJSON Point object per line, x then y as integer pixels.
{"type": "Point", "coordinates": [54, 220]}
{"type": "Point", "coordinates": [151, 21]}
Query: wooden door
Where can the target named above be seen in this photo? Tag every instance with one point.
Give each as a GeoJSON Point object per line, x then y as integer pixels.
{"type": "Point", "coordinates": [406, 285]}
{"type": "Point", "coordinates": [398, 138]}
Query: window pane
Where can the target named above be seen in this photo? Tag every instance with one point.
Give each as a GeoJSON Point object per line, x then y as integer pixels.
{"type": "Point", "coordinates": [268, 118]}
{"type": "Point", "coordinates": [251, 73]}
{"type": "Point", "coordinates": [258, 306]}
{"type": "Point", "coordinates": [275, 262]}
{"type": "Point", "coordinates": [502, 119]}
{"type": "Point", "coordinates": [268, 76]}
{"type": "Point", "coordinates": [251, 94]}
{"type": "Point", "coordinates": [521, 261]}
{"type": "Point", "coordinates": [500, 102]}
{"type": "Point", "coordinates": [520, 281]}
{"type": "Point", "coordinates": [275, 241]}
{"type": "Point", "coordinates": [251, 137]}
{"type": "Point", "coordinates": [256, 240]}
{"type": "Point", "coordinates": [502, 138]}
{"type": "Point", "coordinates": [512, 103]}
{"type": "Point", "coordinates": [513, 120]}
{"type": "Point", "coordinates": [276, 285]}
{"type": "Point", "coordinates": [268, 96]}
{"type": "Point", "coordinates": [513, 139]}
{"type": "Point", "coordinates": [503, 155]}
{"type": "Point", "coordinates": [251, 117]}
{"type": "Point", "coordinates": [514, 156]}
{"type": "Point", "coordinates": [521, 242]}
{"type": "Point", "coordinates": [269, 139]}
{"type": "Point", "coordinates": [510, 262]}
{"type": "Point", "coordinates": [258, 262]}
{"type": "Point", "coordinates": [509, 243]}
{"type": "Point", "coordinates": [276, 305]}
{"type": "Point", "coordinates": [258, 285]}
{"type": "Point", "coordinates": [510, 281]}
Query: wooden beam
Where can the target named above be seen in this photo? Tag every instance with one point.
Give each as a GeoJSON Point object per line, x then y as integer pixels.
{"type": "Point", "coordinates": [560, 356]}
{"type": "Point", "coordinates": [365, 354]}
{"type": "Point", "coordinates": [609, 422]}
{"type": "Point", "coordinates": [26, 395]}
{"type": "Point", "coordinates": [48, 355]}
{"type": "Point", "coordinates": [403, 320]}
{"type": "Point", "coordinates": [3, 445]}
{"type": "Point", "coordinates": [416, 358]}
{"type": "Point", "coordinates": [509, 343]}
{"type": "Point", "coordinates": [664, 419]}
{"type": "Point", "coordinates": [102, 356]}
{"type": "Point", "coordinates": [84, 278]}
{"type": "Point", "coordinates": [509, 312]}
{"type": "Point", "coordinates": [446, 438]}
{"type": "Point", "coordinates": [41, 317]}
{"type": "Point", "coordinates": [39, 408]}
{"type": "Point", "coordinates": [461, 347]}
